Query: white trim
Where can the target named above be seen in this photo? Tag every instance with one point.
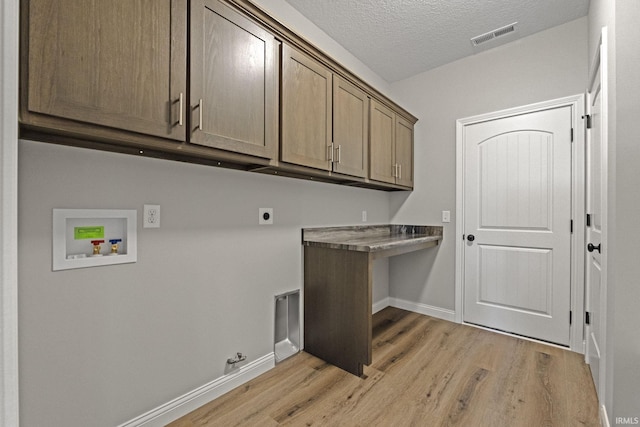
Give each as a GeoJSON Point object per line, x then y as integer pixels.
{"type": "Point", "coordinates": [428, 310]}
{"type": "Point", "coordinates": [509, 334]}
{"type": "Point", "coordinates": [117, 223]}
{"type": "Point", "coordinates": [604, 418]}
{"type": "Point", "coordinates": [380, 305]}
{"type": "Point", "coordinates": [181, 406]}
{"type": "Point", "coordinates": [600, 62]}
{"type": "Point", "coordinates": [9, 18]}
{"type": "Point", "coordinates": [576, 102]}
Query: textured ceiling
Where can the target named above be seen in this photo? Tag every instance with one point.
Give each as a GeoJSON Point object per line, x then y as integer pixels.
{"type": "Point", "coordinates": [401, 38]}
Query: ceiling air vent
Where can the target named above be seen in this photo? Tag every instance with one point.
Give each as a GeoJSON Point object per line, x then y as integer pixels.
{"type": "Point", "coordinates": [493, 34]}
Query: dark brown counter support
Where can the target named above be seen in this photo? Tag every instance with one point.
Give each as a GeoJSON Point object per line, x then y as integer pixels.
{"type": "Point", "coordinates": [337, 307]}
{"type": "Point", "coordinates": [338, 265]}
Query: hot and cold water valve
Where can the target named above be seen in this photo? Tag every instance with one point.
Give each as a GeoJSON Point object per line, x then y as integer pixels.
{"type": "Point", "coordinates": [97, 248]}
{"type": "Point", "coordinates": [114, 246]}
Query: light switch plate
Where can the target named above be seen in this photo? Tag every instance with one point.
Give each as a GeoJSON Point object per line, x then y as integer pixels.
{"type": "Point", "coordinates": [446, 216]}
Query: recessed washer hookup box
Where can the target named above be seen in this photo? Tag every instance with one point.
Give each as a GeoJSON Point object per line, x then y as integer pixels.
{"type": "Point", "coordinates": [93, 237]}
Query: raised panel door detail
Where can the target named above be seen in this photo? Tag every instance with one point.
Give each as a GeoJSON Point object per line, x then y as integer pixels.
{"type": "Point", "coordinates": [516, 173]}
{"type": "Point", "coordinates": [234, 88]}
{"type": "Point", "coordinates": [517, 205]}
{"type": "Point", "coordinates": [306, 111]}
{"type": "Point", "coordinates": [382, 156]}
{"type": "Point", "coordinates": [119, 64]}
{"type": "Point", "coordinates": [515, 278]}
{"type": "Point", "coordinates": [404, 152]}
{"type": "Point", "coordinates": [594, 274]}
{"type": "Point", "coordinates": [350, 128]}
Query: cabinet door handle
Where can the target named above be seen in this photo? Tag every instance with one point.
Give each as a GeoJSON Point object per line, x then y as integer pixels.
{"type": "Point", "coordinates": [180, 110]}
{"type": "Point", "coordinates": [399, 171]}
{"type": "Point", "coordinates": [394, 170]}
{"type": "Point", "coordinates": [200, 123]}
{"type": "Point", "coordinates": [330, 152]}
{"type": "Point", "coordinates": [338, 150]}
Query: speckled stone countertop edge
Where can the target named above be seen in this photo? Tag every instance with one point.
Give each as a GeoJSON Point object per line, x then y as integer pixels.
{"type": "Point", "coordinates": [371, 238]}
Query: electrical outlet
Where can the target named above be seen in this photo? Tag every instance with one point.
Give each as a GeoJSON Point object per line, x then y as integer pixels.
{"type": "Point", "coordinates": [265, 216]}
{"type": "Point", "coordinates": [151, 217]}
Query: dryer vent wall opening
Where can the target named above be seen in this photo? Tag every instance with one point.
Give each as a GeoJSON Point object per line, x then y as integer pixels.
{"type": "Point", "coordinates": [287, 325]}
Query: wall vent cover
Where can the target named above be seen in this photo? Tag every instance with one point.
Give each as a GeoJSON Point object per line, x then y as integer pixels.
{"type": "Point", "coordinates": [499, 32]}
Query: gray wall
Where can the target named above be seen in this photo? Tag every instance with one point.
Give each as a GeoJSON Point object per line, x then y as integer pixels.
{"type": "Point", "coordinates": [544, 66]}
{"type": "Point", "coordinates": [626, 269]}
{"type": "Point", "coordinates": [100, 346]}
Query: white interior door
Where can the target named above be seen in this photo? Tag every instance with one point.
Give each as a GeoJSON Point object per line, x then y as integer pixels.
{"type": "Point", "coordinates": [596, 201]}
{"type": "Point", "coordinates": [517, 213]}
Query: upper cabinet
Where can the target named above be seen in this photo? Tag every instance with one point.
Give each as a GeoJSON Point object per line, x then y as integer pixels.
{"type": "Point", "coordinates": [350, 128]}
{"type": "Point", "coordinates": [324, 117]}
{"type": "Point", "coordinates": [118, 64]}
{"type": "Point", "coordinates": [234, 81]}
{"type": "Point", "coordinates": [218, 82]}
{"type": "Point", "coordinates": [391, 146]}
{"type": "Point", "coordinates": [404, 152]}
{"type": "Point", "coordinates": [306, 111]}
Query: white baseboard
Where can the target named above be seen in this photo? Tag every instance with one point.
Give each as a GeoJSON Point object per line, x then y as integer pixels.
{"type": "Point", "coordinates": [429, 310]}
{"type": "Point", "coordinates": [604, 418]}
{"type": "Point", "coordinates": [180, 406]}
{"type": "Point", "coordinates": [379, 305]}
{"type": "Point", "coordinates": [171, 411]}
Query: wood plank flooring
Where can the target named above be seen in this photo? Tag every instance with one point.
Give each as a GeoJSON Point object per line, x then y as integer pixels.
{"type": "Point", "coordinates": [425, 372]}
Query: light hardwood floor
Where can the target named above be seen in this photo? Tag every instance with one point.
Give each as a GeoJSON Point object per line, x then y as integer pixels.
{"type": "Point", "coordinates": [425, 372]}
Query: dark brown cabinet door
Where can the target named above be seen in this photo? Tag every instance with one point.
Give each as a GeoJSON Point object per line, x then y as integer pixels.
{"type": "Point", "coordinates": [234, 81]}
{"type": "Point", "coordinates": [383, 129]}
{"type": "Point", "coordinates": [404, 152]}
{"type": "Point", "coordinates": [118, 63]}
{"type": "Point", "coordinates": [391, 156]}
{"type": "Point", "coordinates": [306, 111]}
{"type": "Point", "coordinates": [350, 129]}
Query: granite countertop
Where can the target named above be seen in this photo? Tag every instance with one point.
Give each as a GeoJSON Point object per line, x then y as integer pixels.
{"type": "Point", "coordinates": [373, 238]}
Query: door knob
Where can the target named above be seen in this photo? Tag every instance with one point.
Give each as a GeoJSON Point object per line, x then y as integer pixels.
{"type": "Point", "coordinates": [471, 237]}
{"type": "Point", "coordinates": [591, 247]}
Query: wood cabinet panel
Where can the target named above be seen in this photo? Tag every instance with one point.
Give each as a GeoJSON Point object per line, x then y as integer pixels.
{"type": "Point", "coordinates": [391, 146]}
{"type": "Point", "coordinates": [306, 110]}
{"type": "Point", "coordinates": [350, 128]}
{"type": "Point", "coordinates": [337, 306]}
{"type": "Point", "coordinates": [383, 129]}
{"type": "Point", "coordinates": [114, 76]}
{"type": "Point", "coordinates": [119, 64]}
{"type": "Point", "coordinates": [233, 81]}
{"type": "Point", "coordinates": [404, 152]}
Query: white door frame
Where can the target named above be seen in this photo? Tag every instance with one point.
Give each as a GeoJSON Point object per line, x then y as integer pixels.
{"type": "Point", "coordinates": [600, 62]}
{"type": "Point", "coordinates": [9, 18]}
{"type": "Point", "coordinates": [576, 102]}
